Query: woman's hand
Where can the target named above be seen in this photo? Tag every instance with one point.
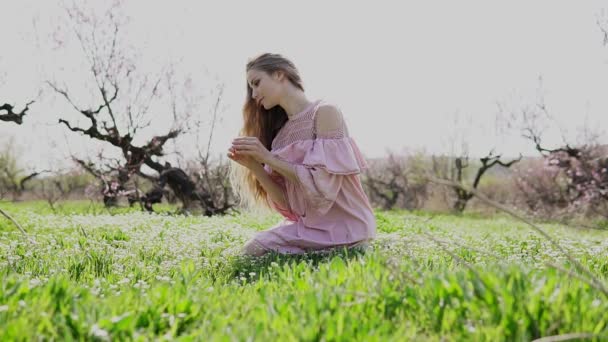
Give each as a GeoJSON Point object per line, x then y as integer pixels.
{"type": "Point", "coordinates": [242, 159]}
{"type": "Point", "coordinates": [251, 147]}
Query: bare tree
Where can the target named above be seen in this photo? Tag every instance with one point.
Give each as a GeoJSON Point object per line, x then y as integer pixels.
{"type": "Point", "coordinates": [126, 97]}
{"type": "Point", "coordinates": [52, 192]}
{"type": "Point", "coordinates": [13, 179]}
{"type": "Point", "coordinates": [59, 185]}
{"type": "Point", "coordinates": [572, 175]}
{"type": "Point", "coordinates": [396, 182]}
{"type": "Point", "coordinates": [209, 187]}
{"type": "Point", "coordinates": [456, 168]}
{"type": "Point", "coordinates": [112, 180]}
{"type": "Point", "coordinates": [584, 168]}
{"type": "Point", "coordinates": [114, 121]}
{"type": "Point", "coordinates": [540, 188]}
{"type": "Point", "coordinates": [602, 23]}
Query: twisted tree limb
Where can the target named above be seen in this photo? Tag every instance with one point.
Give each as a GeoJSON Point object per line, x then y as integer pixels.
{"type": "Point", "coordinates": [13, 116]}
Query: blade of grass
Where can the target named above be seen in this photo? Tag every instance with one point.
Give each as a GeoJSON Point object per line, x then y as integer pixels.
{"type": "Point", "coordinates": [539, 230]}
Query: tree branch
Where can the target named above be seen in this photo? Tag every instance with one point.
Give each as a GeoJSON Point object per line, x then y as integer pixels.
{"type": "Point", "coordinates": [10, 115]}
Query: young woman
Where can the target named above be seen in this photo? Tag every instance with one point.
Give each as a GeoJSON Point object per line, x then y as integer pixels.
{"type": "Point", "coordinates": [297, 158]}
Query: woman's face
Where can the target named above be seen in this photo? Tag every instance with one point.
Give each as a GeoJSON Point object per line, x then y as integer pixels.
{"type": "Point", "coordinates": [265, 88]}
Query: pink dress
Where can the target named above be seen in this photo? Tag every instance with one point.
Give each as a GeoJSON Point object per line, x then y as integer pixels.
{"type": "Point", "coordinates": [327, 206]}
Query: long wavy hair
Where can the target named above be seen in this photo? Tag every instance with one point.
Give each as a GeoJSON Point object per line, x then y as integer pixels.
{"type": "Point", "coordinates": [262, 124]}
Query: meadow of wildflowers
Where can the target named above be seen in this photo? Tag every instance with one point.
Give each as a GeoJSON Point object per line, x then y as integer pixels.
{"type": "Point", "coordinates": [99, 275]}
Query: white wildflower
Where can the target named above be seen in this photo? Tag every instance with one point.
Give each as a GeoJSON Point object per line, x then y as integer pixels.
{"type": "Point", "coordinates": [117, 319]}
{"type": "Point", "coordinates": [96, 331]}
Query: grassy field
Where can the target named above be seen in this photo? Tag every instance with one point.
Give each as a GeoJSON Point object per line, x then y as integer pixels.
{"type": "Point", "coordinates": [96, 274]}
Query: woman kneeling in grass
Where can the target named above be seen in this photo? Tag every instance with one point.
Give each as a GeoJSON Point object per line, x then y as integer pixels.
{"type": "Point", "coordinates": [298, 158]}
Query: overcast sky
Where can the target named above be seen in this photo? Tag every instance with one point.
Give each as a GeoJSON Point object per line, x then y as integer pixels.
{"type": "Point", "coordinates": [406, 74]}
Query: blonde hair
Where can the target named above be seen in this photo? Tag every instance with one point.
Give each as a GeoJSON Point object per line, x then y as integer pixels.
{"type": "Point", "coordinates": [262, 124]}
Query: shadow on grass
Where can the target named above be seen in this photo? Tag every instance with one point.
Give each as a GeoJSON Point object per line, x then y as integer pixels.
{"type": "Point", "coordinates": [246, 265]}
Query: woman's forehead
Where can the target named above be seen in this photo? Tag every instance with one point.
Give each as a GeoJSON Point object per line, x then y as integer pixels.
{"type": "Point", "coordinates": [251, 74]}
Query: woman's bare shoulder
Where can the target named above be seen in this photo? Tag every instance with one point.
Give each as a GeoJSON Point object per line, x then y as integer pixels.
{"type": "Point", "coordinates": [329, 117]}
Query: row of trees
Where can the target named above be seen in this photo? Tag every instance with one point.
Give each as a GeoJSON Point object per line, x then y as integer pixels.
{"type": "Point", "coordinates": [563, 180]}
{"type": "Point", "coordinates": [126, 98]}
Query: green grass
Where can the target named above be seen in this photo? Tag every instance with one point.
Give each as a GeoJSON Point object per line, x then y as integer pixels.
{"type": "Point", "coordinates": [124, 274]}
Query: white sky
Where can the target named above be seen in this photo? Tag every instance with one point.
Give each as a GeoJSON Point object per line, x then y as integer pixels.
{"type": "Point", "coordinates": [402, 71]}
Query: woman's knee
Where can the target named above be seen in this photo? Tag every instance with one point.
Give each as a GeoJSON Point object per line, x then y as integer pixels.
{"type": "Point", "coordinates": [253, 248]}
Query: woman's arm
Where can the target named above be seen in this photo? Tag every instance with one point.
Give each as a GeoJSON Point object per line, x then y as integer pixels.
{"type": "Point", "coordinates": [286, 169]}
{"type": "Point", "coordinates": [273, 189]}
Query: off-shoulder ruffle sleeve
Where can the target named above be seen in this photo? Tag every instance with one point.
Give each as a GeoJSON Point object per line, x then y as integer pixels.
{"type": "Point", "coordinates": [321, 165]}
{"type": "Point", "coordinates": [280, 181]}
